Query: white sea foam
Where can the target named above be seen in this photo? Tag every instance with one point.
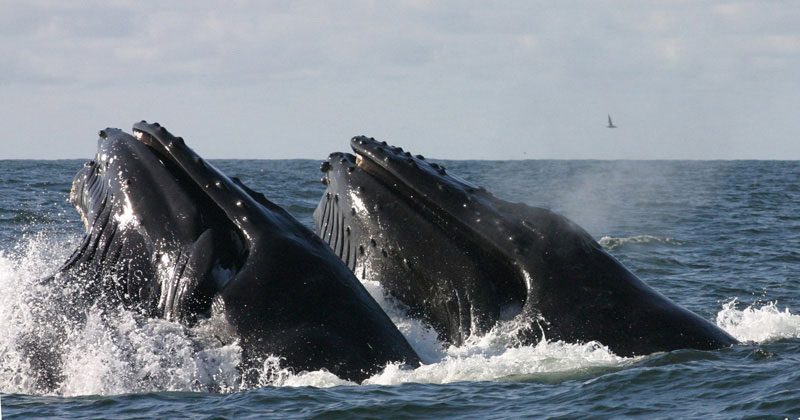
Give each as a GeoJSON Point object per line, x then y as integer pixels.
{"type": "Point", "coordinates": [472, 362]}
{"type": "Point", "coordinates": [113, 352]}
{"type": "Point", "coordinates": [273, 374]}
{"type": "Point", "coordinates": [495, 355]}
{"type": "Point", "coordinates": [106, 351]}
{"type": "Point", "coordinates": [758, 324]}
{"type": "Point", "coordinates": [119, 351]}
{"type": "Point", "coordinates": [612, 242]}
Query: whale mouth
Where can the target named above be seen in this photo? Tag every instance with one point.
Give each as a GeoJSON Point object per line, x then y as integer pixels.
{"type": "Point", "coordinates": [228, 202]}
{"type": "Point", "coordinates": [185, 217]}
{"type": "Point", "coordinates": [402, 203]}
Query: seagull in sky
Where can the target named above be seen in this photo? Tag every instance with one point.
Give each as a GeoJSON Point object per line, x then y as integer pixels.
{"type": "Point", "coordinates": [610, 124]}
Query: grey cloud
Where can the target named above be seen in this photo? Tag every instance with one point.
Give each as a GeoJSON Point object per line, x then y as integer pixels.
{"type": "Point", "coordinates": [519, 74]}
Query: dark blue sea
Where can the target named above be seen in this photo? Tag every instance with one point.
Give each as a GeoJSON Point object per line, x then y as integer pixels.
{"type": "Point", "coordinates": [721, 238]}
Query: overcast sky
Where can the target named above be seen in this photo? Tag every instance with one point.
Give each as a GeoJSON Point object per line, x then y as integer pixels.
{"type": "Point", "coordinates": [466, 79]}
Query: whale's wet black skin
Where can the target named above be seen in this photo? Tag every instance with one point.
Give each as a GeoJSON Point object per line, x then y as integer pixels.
{"type": "Point", "coordinates": [462, 259]}
{"type": "Point", "coordinates": [170, 235]}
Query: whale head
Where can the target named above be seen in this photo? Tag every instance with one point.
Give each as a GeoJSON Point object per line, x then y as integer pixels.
{"type": "Point", "coordinates": [463, 259]}
{"type": "Point", "coordinates": [150, 228]}
{"type": "Point", "coordinates": [395, 218]}
{"type": "Point", "coordinates": [172, 236]}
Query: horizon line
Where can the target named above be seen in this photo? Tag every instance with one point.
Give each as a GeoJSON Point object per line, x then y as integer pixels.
{"type": "Point", "coordinates": [471, 159]}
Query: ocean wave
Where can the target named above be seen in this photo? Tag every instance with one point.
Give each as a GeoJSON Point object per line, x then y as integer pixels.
{"type": "Point", "coordinates": [611, 242]}
{"type": "Point", "coordinates": [119, 351]}
{"type": "Point", "coordinates": [113, 352]}
{"type": "Point", "coordinates": [543, 361]}
{"type": "Point", "coordinates": [758, 324]}
{"type": "Point", "coordinates": [482, 359]}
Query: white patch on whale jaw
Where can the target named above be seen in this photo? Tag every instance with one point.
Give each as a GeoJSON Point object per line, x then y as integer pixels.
{"type": "Point", "coordinates": [125, 217]}
{"type": "Point", "coordinates": [528, 280]}
{"type": "Point", "coordinates": [358, 203]}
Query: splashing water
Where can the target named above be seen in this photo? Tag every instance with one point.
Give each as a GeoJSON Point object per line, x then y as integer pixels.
{"type": "Point", "coordinates": [107, 351]}
{"type": "Point", "coordinates": [120, 351]}
{"type": "Point", "coordinates": [758, 324]}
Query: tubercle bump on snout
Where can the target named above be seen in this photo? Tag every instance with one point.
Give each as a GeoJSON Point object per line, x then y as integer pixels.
{"type": "Point", "coordinates": [156, 132]}
{"type": "Point", "coordinates": [381, 159]}
{"type": "Point", "coordinates": [175, 149]}
{"type": "Point", "coordinates": [229, 194]}
{"type": "Point", "coordinates": [338, 160]}
{"type": "Point", "coordinates": [108, 135]}
{"type": "Point", "coordinates": [392, 155]}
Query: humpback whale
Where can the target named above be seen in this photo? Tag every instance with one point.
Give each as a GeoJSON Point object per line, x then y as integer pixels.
{"type": "Point", "coordinates": [462, 259]}
{"type": "Point", "coordinates": [171, 236]}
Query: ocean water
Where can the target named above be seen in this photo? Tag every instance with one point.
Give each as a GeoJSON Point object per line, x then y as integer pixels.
{"type": "Point", "coordinates": [720, 238]}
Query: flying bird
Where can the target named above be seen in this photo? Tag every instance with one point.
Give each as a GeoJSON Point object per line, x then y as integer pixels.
{"type": "Point", "coordinates": [610, 124]}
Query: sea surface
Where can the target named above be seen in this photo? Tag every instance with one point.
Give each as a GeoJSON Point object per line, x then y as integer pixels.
{"type": "Point", "coordinates": [721, 238]}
